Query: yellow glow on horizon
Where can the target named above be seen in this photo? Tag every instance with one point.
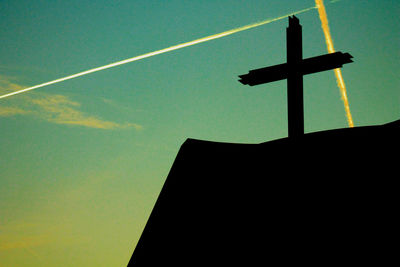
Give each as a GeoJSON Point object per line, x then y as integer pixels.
{"type": "Point", "coordinates": [158, 52]}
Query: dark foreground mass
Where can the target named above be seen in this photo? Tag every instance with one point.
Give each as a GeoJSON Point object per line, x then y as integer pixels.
{"type": "Point", "coordinates": [327, 198]}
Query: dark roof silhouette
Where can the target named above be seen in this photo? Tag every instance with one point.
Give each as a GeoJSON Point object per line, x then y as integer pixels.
{"type": "Point", "coordinates": [323, 199]}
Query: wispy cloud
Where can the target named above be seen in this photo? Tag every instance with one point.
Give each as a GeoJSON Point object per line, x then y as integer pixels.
{"type": "Point", "coordinates": [57, 109]}
{"type": "Point", "coordinates": [7, 84]}
{"type": "Point", "coordinates": [11, 111]}
{"type": "Point", "coordinates": [62, 110]}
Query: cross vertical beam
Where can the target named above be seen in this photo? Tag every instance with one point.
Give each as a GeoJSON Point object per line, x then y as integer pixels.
{"type": "Point", "coordinates": [294, 79]}
{"type": "Point", "coordinates": [293, 70]}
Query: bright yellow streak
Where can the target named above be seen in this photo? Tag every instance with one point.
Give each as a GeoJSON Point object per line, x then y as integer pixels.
{"type": "Point", "coordinates": [338, 73]}
{"type": "Point", "coordinates": [158, 52]}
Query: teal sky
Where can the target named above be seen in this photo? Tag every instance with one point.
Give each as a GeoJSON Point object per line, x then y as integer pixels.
{"type": "Point", "coordinates": [83, 161]}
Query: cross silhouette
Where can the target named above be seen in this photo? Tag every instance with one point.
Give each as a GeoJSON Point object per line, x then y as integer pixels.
{"type": "Point", "coordinates": [293, 70]}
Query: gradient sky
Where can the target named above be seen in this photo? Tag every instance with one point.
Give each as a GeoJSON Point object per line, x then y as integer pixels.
{"type": "Point", "coordinates": [82, 162]}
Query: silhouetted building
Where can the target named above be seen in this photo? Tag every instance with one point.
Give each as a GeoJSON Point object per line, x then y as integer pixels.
{"type": "Point", "coordinates": [327, 198]}
{"type": "Point", "coordinates": [331, 199]}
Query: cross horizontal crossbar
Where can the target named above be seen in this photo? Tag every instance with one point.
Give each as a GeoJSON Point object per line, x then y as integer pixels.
{"type": "Point", "coordinates": [304, 67]}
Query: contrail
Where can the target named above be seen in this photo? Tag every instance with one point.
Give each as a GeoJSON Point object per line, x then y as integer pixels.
{"type": "Point", "coordinates": [338, 73]}
{"type": "Point", "coordinates": [158, 52]}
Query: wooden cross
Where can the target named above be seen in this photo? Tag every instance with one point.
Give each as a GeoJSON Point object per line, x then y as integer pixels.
{"type": "Point", "coordinates": [293, 70]}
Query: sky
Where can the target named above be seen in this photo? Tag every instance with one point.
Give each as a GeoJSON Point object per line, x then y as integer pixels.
{"type": "Point", "coordinates": [83, 161]}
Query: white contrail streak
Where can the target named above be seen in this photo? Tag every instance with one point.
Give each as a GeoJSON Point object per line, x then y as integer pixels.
{"type": "Point", "coordinates": [158, 52]}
